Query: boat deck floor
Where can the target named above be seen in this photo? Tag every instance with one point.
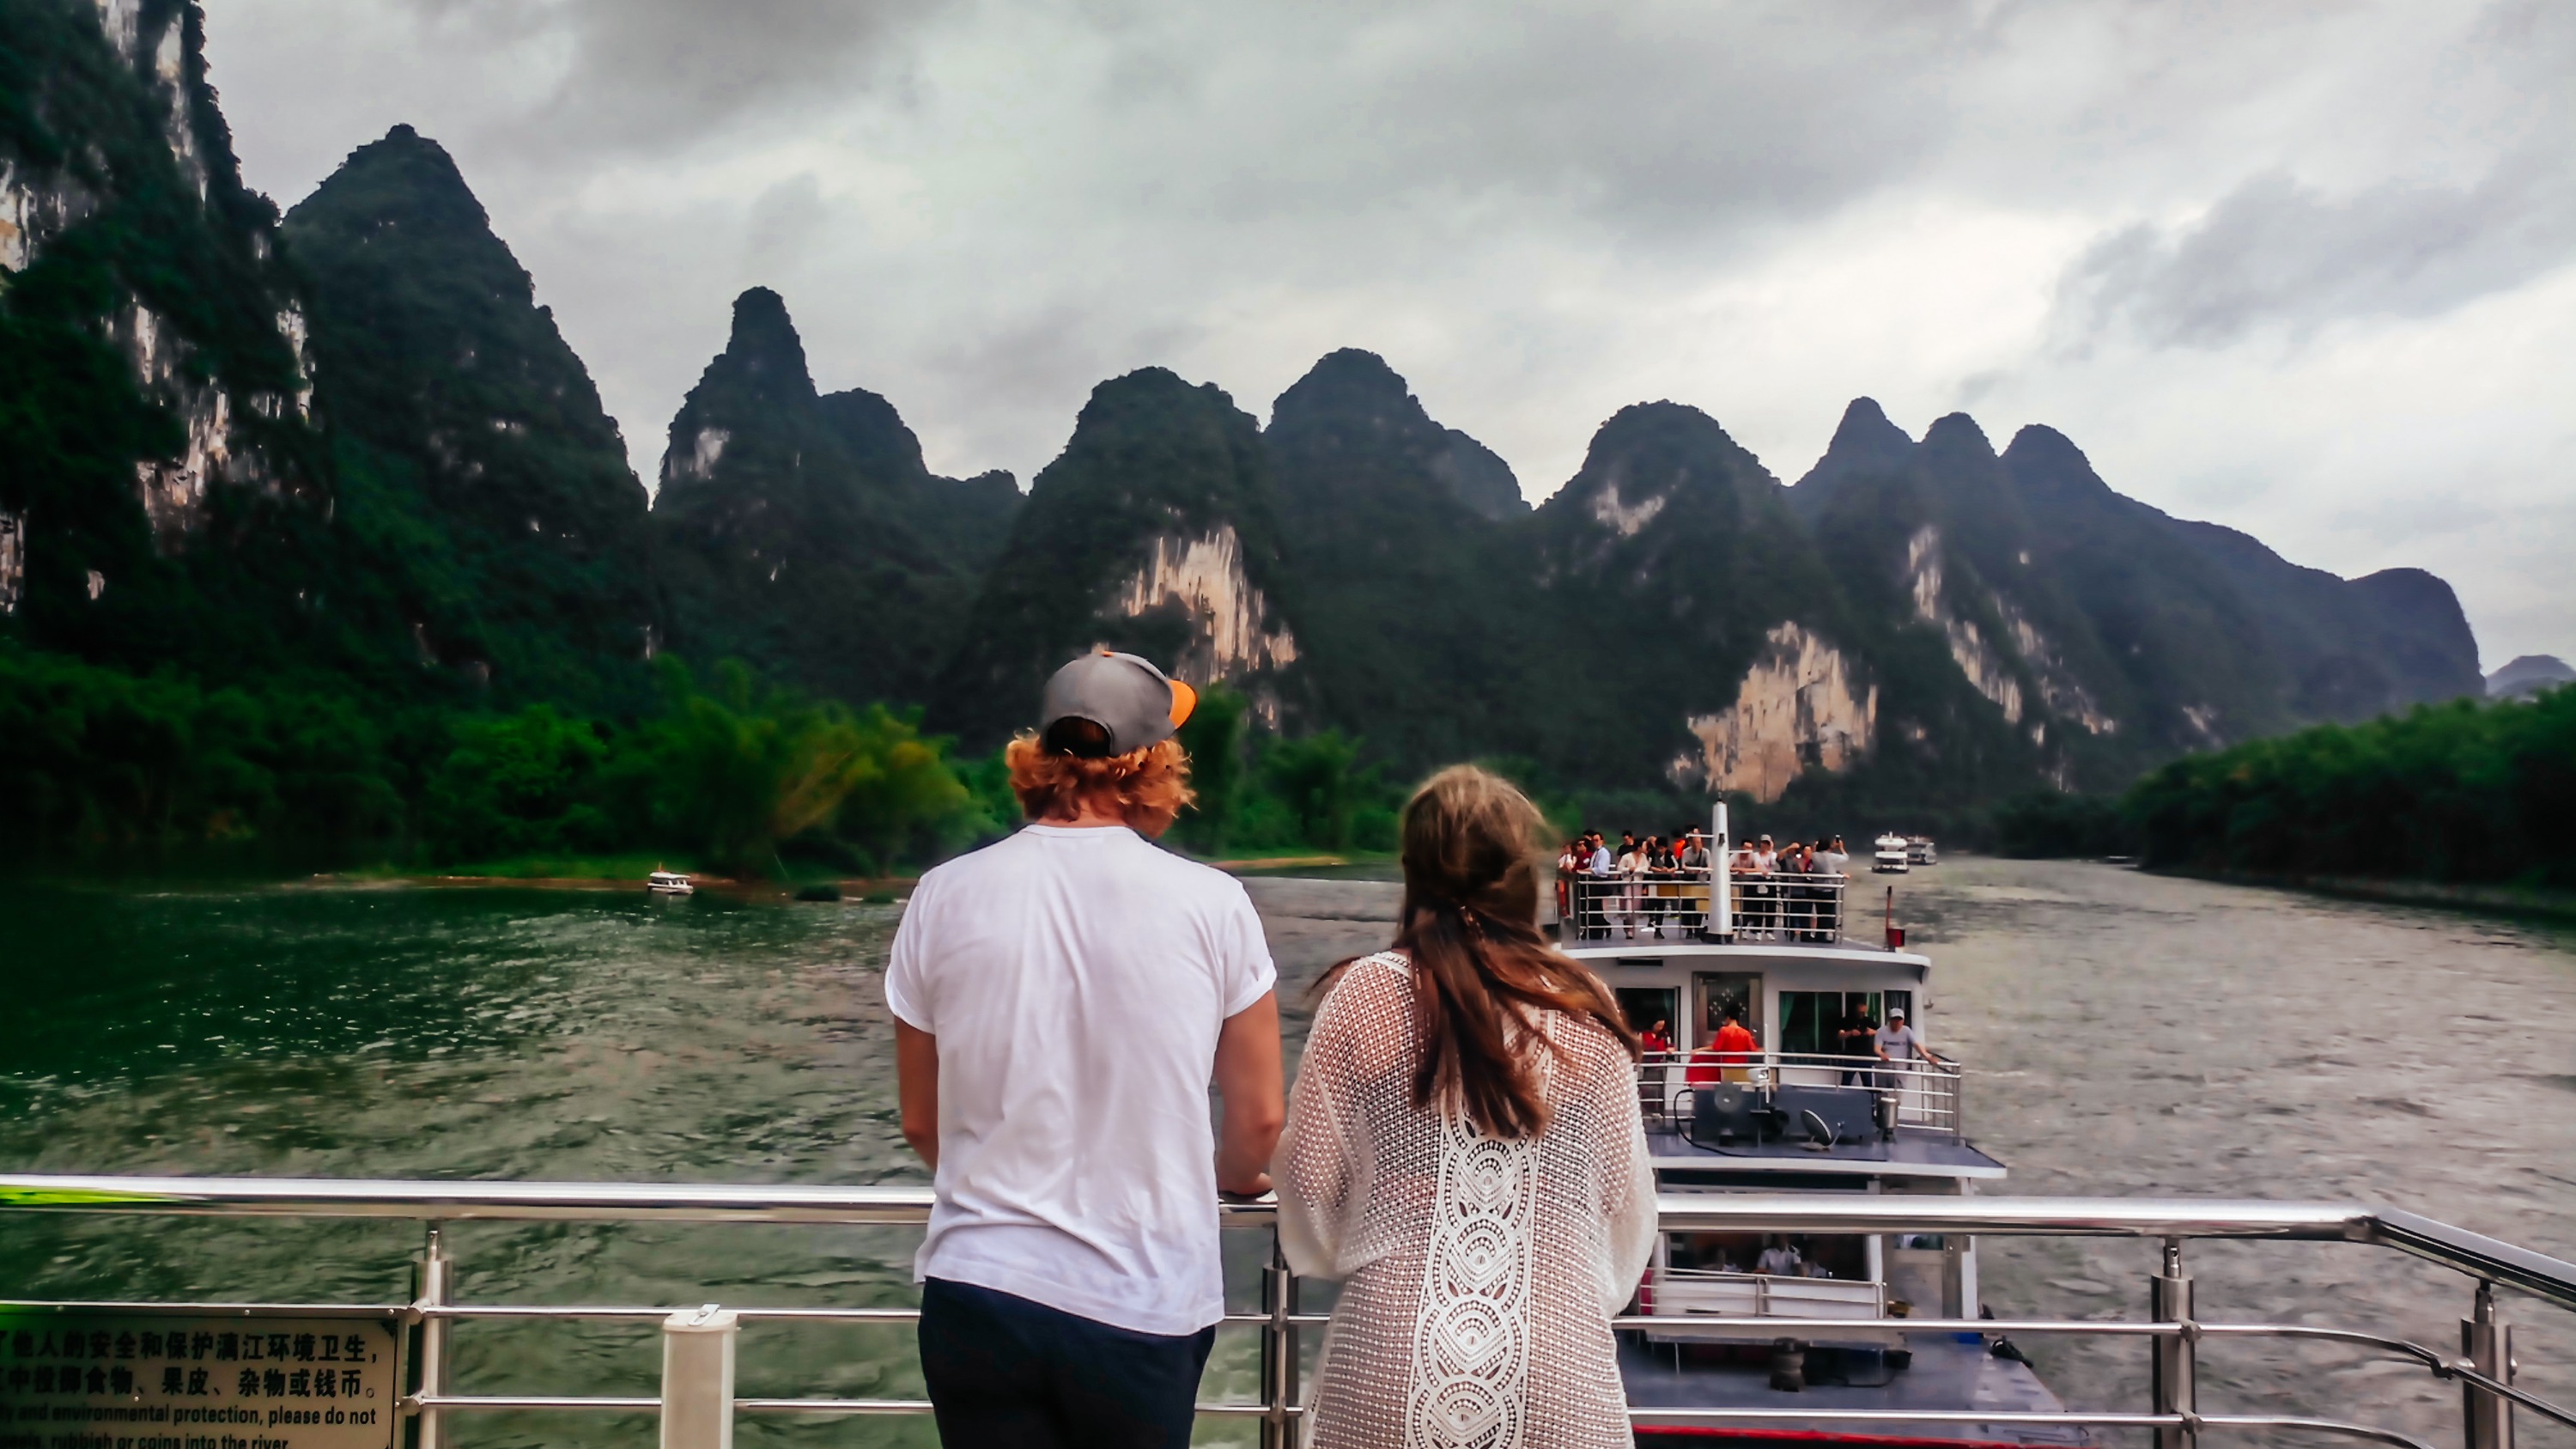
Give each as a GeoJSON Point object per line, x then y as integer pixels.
{"type": "Point", "coordinates": [1920, 1153]}
{"type": "Point", "coordinates": [1946, 1374]}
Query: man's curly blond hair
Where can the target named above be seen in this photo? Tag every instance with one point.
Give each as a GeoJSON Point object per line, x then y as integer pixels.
{"type": "Point", "coordinates": [1147, 788]}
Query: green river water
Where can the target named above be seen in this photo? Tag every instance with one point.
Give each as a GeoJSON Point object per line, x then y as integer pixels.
{"type": "Point", "coordinates": [2132, 1035]}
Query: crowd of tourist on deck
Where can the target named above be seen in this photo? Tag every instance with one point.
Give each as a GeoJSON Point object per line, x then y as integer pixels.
{"type": "Point", "coordinates": [1648, 882]}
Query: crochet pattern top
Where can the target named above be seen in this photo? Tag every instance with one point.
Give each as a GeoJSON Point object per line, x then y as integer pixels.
{"type": "Point", "coordinates": [1480, 1275]}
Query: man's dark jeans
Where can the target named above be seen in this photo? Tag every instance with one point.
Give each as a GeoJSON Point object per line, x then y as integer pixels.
{"type": "Point", "coordinates": [1006, 1372]}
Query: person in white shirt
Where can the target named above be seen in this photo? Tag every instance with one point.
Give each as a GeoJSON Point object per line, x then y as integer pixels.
{"type": "Point", "coordinates": [1779, 1259]}
{"type": "Point", "coordinates": [1063, 1000]}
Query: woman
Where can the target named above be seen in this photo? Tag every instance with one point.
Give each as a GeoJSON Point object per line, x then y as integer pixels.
{"type": "Point", "coordinates": [1632, 877]}
{"type": "Point", "coordinates": [1464, 1149]}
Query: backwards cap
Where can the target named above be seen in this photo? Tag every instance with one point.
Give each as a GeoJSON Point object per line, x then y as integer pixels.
{"type": "Point", "coordinates": [1132, 704]}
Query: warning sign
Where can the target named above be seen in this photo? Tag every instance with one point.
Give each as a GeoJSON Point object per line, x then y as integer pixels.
{"type": "Point", "coordinates": [150, 1380]}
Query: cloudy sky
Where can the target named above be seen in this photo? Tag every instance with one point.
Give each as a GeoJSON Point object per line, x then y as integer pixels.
{"type": "Point", "coordinates": [2308, 269]}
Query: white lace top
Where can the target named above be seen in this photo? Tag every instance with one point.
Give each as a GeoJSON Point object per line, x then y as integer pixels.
{"type": "Point", "coordinates": [1481, 1274]}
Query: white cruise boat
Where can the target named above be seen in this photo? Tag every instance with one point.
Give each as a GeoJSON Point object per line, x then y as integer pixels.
{"type": "Point", "coordinates": [1891, 854]}
{"type": "Point", "coordinates": [669, 883]}
{"type": "Point", "coordinates": [1809, 1109]}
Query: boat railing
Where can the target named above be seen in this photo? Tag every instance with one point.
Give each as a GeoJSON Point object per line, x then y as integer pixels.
{"type": "Point", "coordinates": [1914, 1095]}
{"type": "Point", "coordinates": [1718, 1301]}
{"type": "Point", "coordinates": [697, 1404]}
{"type": "Point", "coordinates": [1784, 906]}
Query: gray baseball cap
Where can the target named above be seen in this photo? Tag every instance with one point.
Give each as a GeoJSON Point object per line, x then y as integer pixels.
{"type": "Point", "coordinates": [1133, 703]}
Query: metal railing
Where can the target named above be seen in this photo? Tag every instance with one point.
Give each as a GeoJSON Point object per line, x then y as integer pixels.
{"type": "Point", "coordinates": [697, 1403]}
{"type": "Point", "coordinates": [1695, 1302]}
{"type": "Point", "coordinates": [1783, 906]}
{"type": "Point", "coordinates": [1920, 1095]}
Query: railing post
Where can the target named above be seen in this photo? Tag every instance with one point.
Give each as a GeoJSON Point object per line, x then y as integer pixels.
{"type": "Point", "coordinates": [2169, 1299]}
{"type": "Point", "coordinates": [2486, 1417]}
{"type": "Point", "coordinates": [434, 1286]}
{"type": "Point", "coordinates": [697, 1378]}
{"type": "Point", "coordinates": [1278, 1349]}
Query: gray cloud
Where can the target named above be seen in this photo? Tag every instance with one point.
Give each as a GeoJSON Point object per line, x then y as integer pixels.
{"type": "Point", "coordinates": [2276, 252]}
{"type": "Point", "coordinates": [651, 72]}
{"type": "Point", "coordinates": [2476, 195]}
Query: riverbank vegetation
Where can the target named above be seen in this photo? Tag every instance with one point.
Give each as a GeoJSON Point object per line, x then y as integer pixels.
{"type": "Point", "coordinates": [2462, 792]}
{"type": "Point", "coordinates": [108, 770]}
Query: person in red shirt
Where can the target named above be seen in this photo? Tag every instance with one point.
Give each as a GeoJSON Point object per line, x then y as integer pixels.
{"type": "Point", "coordinates": [1657, 1040]}
{"type": "Point", "coordinates": [1736, 1047]}
{"type": "Point", "coordinates": [1727, 1057]}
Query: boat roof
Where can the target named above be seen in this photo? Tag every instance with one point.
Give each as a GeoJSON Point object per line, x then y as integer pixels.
{"type": "Point", "coordinates": [1844, 953]}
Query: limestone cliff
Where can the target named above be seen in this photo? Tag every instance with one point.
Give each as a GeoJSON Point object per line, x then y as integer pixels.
{"type": "Point", "coordinates": [1155, 531]}
{"type": "Point", "coordinates": [1802, 706]}
{"type": "Point", "coordinates": [166, 494]}
{"type": "Point", "coordinates": [1230, 633]}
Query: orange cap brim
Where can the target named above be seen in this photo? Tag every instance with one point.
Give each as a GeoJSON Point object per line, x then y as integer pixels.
{"type": "Point", "coordinates": [1184, 699]}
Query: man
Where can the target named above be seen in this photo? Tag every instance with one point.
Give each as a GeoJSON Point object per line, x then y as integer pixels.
{"type": "Point", "coordinates": [1600, 866]}
{"type": "Point", "coordinates": [1693, 864]}
{"type": "Point", "coordinates": [1062, 1002]}
{"type": "Point", "coordinates": [1734, 1046]}
{"type": "Point", "coordinates": [1857, 1037]}
{"type": "Point", "coordinates": [1763, 896]}
{"type": "Point", "coordinates": [1835, 862]}
{"type": "Point", "coordinates": [1897, 1043]}
{"type": "Point", "coordinates": [1779, 1259]}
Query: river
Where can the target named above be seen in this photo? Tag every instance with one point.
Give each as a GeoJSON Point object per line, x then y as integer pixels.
{"type": "Point", "coordinates": [2131, 1035]}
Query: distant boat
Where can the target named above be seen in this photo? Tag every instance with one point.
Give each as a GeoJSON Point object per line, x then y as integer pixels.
{"type": "Point", "coordinates": [1919, 850]}
{"type": "Point", "coordinates": [669, 883]}
{"type": "Point", "coordinates": [1892, 857]}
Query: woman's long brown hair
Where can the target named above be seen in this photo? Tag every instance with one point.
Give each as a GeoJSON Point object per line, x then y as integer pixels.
{"type": "Point", "coordinates": [1481, 968]}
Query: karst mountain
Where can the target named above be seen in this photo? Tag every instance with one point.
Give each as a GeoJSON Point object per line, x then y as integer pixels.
{"type": "Point", "coordinates": [349, 442]}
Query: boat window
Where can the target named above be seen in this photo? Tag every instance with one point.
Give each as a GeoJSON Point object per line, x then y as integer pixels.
{"type": "Point", "coordinates": [1812, 1021]}
{"type": "Point", "coordinates": [1646, 1005]}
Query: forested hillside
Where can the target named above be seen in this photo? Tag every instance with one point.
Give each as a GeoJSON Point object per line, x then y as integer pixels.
{"type": "Point", "coordinates": [474, 465]}
{"type": "Point", "coordinates": [801, 532]}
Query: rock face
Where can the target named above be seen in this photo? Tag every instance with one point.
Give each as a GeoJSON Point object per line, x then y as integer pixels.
{"type": "Point", "coordinates": [1800, 707]}
{"type": "Point", "coordinates": [156, 441]}
{"type": "Point", "coordinates": [1154, 531]}
{"type": "Point", "coordinates": [801, 532]}
{"type": "Point", "coordinates": [1681, 605]}
{"type": "Point", "coordinates": [464, 423]}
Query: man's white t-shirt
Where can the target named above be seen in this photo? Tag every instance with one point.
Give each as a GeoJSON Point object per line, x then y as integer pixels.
{"type": "Point", "coordinates": [1076, 978]}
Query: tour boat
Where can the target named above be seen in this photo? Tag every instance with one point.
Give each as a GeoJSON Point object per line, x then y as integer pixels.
{"type": "Point", "coordinates": [1919, 850]}
{"type": "Point", "coordinates": [1812, 1110]}
{"type": "Point", "coordinates": [669, 883]}
{"type": "Point", "coordinates": [1894, 855]}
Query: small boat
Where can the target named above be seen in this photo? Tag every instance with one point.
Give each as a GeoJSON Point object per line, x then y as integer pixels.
{"type": "Point", "coordinates": [1893, 855]}
{"type": "Point", "coordinates": [669, 883]}
{"type": "Point", "coordinates": [1919, 850]}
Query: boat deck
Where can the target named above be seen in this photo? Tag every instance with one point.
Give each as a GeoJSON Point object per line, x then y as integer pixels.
{"type": "Point", "coordinates": [1949, 1370]}
{"type": "Point", "coordinates": [1914, 1153]}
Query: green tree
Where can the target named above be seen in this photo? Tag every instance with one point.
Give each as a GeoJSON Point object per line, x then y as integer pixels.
{"type": "Point", "coordinates": [517, 784]}
{"type": "Point", "coordinates": [730, 772]}
{"type": "Point", "coordinates": [1214, 737]}
{"type": "Point", "coordinates": [1319, 781]}
{"type": "Point", "coordinates": [905, 799]}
